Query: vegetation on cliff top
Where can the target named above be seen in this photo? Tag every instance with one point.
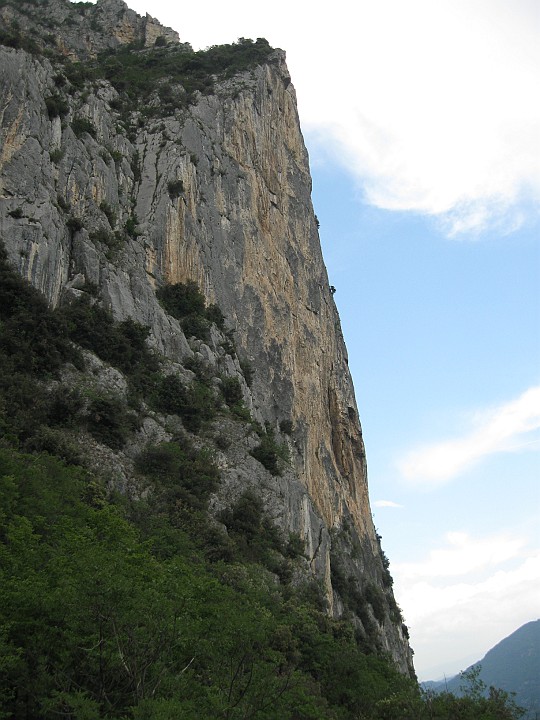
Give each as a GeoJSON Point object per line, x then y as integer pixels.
{"type": "Point", "coordinates": [168, 76]}
{"type": "Point", "coordinates": [162, 80]}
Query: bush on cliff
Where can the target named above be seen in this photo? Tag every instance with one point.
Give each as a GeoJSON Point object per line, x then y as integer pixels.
{"type": "Point", "coordinates": [271, 453]}
{"type": "Point", "coordinates": [186, 303]}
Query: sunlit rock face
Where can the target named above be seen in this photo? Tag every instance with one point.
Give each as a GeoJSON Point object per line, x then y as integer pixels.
{"type": "Point", "coordinates": [217, 192]}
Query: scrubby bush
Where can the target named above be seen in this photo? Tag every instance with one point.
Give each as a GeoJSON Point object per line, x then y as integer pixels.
{"type": "Point", "coordinates": [56, 155]}
{"type": "Point", "coordinates": [12, 37]}
{"type": "Point", "coordinates": [376, 599]}
{"type": "Point", "coordinates": [295, 546]}
{"type": "Point", "coordinates": [214, 315]}
{"type": "Point", "coordinates": [270, 453]}
{"type": "Point", "coordinates": [109, 213]}
{"type": "Point", "coordinates": [175, 188]}
{"type": "Point", "coordinates": [247, 371]}
{"type": "Point", "coordinates": [33, 337]}
{"type": "Point", "coordinates": [387, 578]}
{"type": "Point", "coordinates": [182, 474]}
{"type": "Point", "coordinates": [234, 397]}
{"type": "Point", "coordinates": [286, 427]}
{"type": "Point", "coordinates": [130, 226]}
{"type": "Point", "coordinates": [62, 204]}
{"type": "Point", "coordinates": [203, 370]}
{"type": "Point", "coordinates": [197, 326]}
{"type": "Point", "coordinates": [56, 106]}
{"type": "Point", "coordinates": [122, 344]}
{"type": "Point", "coordinates": [181, 299]}
{"type": "Point", "coordinates": [81, 125]}
{"type": "Point", "coordinates": [83, 6]}
{"type": "Point", "coordinates": [102, 236]}
{"type": "Point", "coordinates": [253, 532]}
{"type": "Point", "coordinates": [245, 518]}
{"type": "Point", "coordinates": [112, 241]}
{"type": "Point", "coordinates": [63, 405]}
{"type": "Point", "coordinates": [57, 442]}
{"type": "Point", "coordinates": [194, 403]}
{"type": "Point", "coordinates": [109, 421]}
{"type": "Point", "coordinates": [231, 390]}
{"type": "Point", "coordinates": [116, 156]}
{"type": "Point", "coordinates": [74, 224]}
{"type": "Point", "coordinates": [186, 303]}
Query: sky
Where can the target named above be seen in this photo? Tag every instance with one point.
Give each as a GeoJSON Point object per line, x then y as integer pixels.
{"type": "Point", "coordinates": [422, 121]}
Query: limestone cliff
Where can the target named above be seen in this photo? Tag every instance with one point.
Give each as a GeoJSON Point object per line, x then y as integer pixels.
{"type": "Point", "coordinates": [210, 185]}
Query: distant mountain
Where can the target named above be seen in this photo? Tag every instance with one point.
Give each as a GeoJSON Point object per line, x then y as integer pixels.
{"type": "Point", "coordinates": [512, 665]}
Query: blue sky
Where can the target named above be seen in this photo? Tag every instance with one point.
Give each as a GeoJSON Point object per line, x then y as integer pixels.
{"type": "Point", "coordinates": [422, 120]}
{"type": "Point", "coordinates": [438, 331]}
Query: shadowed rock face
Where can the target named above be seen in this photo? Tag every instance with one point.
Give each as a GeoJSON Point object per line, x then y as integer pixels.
{"type": "Point", "coordinates": [218, 193]}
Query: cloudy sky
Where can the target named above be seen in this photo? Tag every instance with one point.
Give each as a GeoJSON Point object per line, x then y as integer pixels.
{"type": "Point", "coordinates": [422, 120]}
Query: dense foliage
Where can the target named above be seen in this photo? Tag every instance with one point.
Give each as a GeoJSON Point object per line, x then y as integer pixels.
{"type": "Point", "coordinates": [112, 610]}
{"type": "Point", "coordinates": [33, 347]}
{"type": "Point", "coordinates": [147, 608]}
{"type": "Point", "coordinates": [37, 342]}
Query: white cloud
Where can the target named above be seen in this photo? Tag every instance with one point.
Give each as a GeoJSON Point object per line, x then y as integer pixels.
{"type": "Point", "coordinates": [501, 429]}
{"type": "Point", "coordinates": [462, 612]}
{"type": "Point", "coordinates": [386, 503]}
{"type": "Point", "coordinates": [441, 114]}
{"type": "Point", "coordinates": [464, 555]}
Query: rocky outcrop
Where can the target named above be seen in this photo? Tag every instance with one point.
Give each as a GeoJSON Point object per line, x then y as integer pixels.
{"type": "Point", "coordinates": [96, 195]}
{"type": "Point", "coordinates": [82, 30]}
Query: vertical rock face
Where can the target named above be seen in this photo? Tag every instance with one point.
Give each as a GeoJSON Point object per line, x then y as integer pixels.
{"type": "Point", "coordinates": [244, 228]}
{"type": "Point", "coordinates": [217, 192]}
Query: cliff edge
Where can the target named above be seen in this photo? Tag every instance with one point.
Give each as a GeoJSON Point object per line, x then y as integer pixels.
{"type": "Point", "coordinates": [129, 163]}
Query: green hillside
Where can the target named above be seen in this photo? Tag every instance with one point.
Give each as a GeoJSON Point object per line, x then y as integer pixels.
{"type": "Point", "coordinates": [512, 665]}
